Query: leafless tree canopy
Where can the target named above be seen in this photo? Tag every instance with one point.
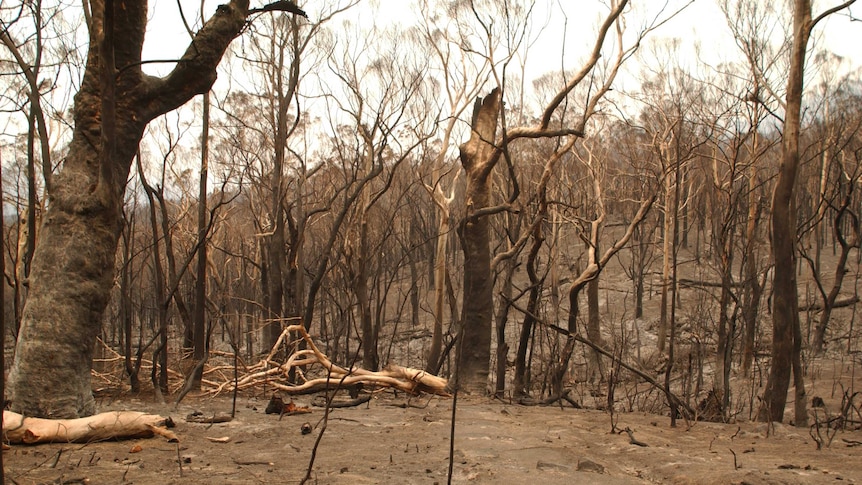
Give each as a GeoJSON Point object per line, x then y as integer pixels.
{"type": "Point", "coordinates": [470, 190]}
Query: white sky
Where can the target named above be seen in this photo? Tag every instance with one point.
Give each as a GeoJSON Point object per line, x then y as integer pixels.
{"type": "Point", "coordinates": [702, 23]}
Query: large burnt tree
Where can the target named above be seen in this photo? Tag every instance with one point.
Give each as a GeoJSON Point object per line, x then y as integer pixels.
{"type": "Point", "coordinates": [786, 331]}
{"type": "Point", "coordinates": [73, 267]}
{"type": "Point", "coordinates": [479, 155]}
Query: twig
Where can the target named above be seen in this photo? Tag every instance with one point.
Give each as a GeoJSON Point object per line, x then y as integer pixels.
{"type": "Point", "coordinates": [550, 400]}
{"type": "Point", "coordinates": [252, 462]}
{"type": "Point", "coordinates": [735, 464]}
{"type": "Point", "coordinates": [57, 458]}
{"type": "Point", "coordinates": [179, 461]}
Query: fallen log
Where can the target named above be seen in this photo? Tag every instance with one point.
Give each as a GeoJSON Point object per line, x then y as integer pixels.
{"type": "Point", "coordinates": [100, 427]}
{"type": "Point", "coordinates": [818, 306]}
{"type": "Point", "coordinates": [199, 417]}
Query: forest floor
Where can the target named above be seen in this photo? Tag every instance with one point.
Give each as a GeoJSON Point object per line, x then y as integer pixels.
{"type": "Point", "coordinates": [395, 440]}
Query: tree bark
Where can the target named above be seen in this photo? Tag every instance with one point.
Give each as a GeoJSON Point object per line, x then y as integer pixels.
{"type": "Point", "coordinates": [433, 364]}
{"type": "Point", "coordinates": [785, 316]}
{"type": "Point", "coordinates": [2, 322]}
{"type": "Point", "coordinates": [667, 248]}
{"type": "Point", "coordinates": [199, 332]}
{"type": "Point", "coordinates": [594, 329]}
{"type": "Point", "coordinates": [478, 158]}
{"type": "Point", "coordinates": [521, 383]}
{"type": "Point", "coordinates": [73, 267]}
{"type": "Point", "coordinates": [753, 288]}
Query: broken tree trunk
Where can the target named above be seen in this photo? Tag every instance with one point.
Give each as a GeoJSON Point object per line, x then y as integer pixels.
{"type": "Point", "coordinates": [100, 427]}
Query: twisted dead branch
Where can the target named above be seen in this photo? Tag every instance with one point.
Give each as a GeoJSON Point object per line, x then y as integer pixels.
{"type": "Point", "coordinates": [275, 374]}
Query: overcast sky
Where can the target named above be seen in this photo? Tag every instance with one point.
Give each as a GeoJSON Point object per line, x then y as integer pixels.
{"type": "Point", "coordinates": [701, 24]}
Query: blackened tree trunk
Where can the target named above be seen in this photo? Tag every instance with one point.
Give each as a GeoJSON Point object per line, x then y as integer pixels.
{"type": "Point", "coordinates": [753, 288]}
{"type": "Point", "coordinates": [478, 158]}
{"type": "Point", "coordinates": [786, 333]}
{"type": "Point", "coordinates": [594, 330]}
{"type": "Point", "coordinates": [199, 332]}
{"type": "Point", "coordinates": [785, 314]}
{"type": "Point", "coordinates": [521, 382]}
{"type": "Point", "coordinates": [2, 323]}
{"type": "Point", "coordinates": [370, 357]}
{"type": "Point", "coordinates": [73, 267]}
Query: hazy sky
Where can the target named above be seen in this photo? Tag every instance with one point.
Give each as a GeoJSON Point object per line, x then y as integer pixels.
{"type": "Point", "coordinates": [701, 24]}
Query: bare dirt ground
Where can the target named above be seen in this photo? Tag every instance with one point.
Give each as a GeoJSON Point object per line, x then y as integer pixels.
{"type": "Point", "coordinates": [396, 440]}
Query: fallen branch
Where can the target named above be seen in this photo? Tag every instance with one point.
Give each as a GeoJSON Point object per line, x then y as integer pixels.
{"type": "Point", "coordinates": [563, 396]}
{"type": "Point", "coordinates": [199, 417]}
{"type": "Point", "coordinates": [275, 374]}
{"type": "Point", "coordinates": [343, 404]}
{"type": "Point", "coordinates": [632, 438]}
{"type": "Point", "coordinates": [100, 427]}
{"type": "Point", "coordinates": [649, 379]}
{"type": "Point", "coordinates": [818, 306]}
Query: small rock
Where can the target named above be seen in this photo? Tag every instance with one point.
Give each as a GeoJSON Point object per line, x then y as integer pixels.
{"type": "Point", "coordinates": [590, 466]}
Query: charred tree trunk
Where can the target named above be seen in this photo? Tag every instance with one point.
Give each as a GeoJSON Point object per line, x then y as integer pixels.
{"type": "Point", "coordinates": [478, 158]}
{"type": "Point", "coordinates": [594, 329]}
{"type": "Point", "coordinates": [2, 322]}
{"type": "Point", "coordinates": [500, 327]}
{"type": "Point", "coordinates": [785, 314]}
{"type": "Point", "coordinates": [199, 330]}
{"type": "Point", "coordinates": [126, 306]}
{"type": "Point", "coordinates": [370, 358]}
{"type": "Point", "coordinates": [667, 249]}
{"type": "Point", "coordinates": [73, 267]}
{"type": "Point", "coordinates": [521, 384]}
{"type": "Point", "coordinates": [753, 288]}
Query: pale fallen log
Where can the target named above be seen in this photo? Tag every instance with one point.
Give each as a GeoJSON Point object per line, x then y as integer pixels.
{"type": "Point", "coordinates": [404, 379]}
{"type": "Point", "coordinates": [100, 427]}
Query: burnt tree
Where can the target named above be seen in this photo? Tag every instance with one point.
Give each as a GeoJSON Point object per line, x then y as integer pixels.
{"type": "Point", "coordinates": [73, 267]}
